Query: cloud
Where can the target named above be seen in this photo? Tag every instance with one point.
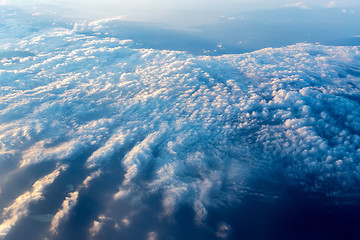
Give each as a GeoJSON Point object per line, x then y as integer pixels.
{"type": "Point", "coordinates": [90, 178]}
{"type": "Point", "coordinates": [121, 194]}
{"type": "Point", "coordinates": [126, 222]}
{"type": "Point", "coordinates": [95, 229]}
{"type": "Point", "coordinates": [102, 220]}
{"type": "Point", "coordinates": [38, 153]}
{"type": "Point", "coordinates": [301, 5]}
{"type": "Point", "coordinates": [67, 205]}
{"type": "Point", "coordinates": [223, 231]}
{"type": "Point", "coordinates": [19, 208]}
{"type": "Point", "coordinates": [192, 129]}
{"type": "Point", "coordinates": [331, 4]}
{"type": "Point", "coordinates": [98, 224]}
{"type": "Point", "coordinates": [70, 202]}
{"type": "Point", "coordinates": [152, 236]}
{"type": "Point", "coordinates": [139, 156]}
{"type": "Point", "coordinates": [105, 152]}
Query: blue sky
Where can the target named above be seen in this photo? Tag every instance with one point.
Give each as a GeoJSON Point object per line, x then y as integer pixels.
{"type": "Point", "coordinates": [241, 5]}
{"type": "Point", "coordinates": [166, 10]}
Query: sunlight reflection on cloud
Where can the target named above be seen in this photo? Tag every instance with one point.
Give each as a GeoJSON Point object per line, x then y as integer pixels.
{"type": "Point", "coordinates": [195, 130]}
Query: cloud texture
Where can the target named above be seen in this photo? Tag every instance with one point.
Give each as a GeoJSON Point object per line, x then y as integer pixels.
{"type": "Point", "coordinates": [194, 129]}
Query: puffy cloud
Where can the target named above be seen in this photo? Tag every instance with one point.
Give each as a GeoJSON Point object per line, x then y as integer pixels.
{"type": "Point", "coordinates": [126, 222]}
{"type": "Point", "coordinates": [192, 128]}
{"type": "Point", "coordinates": [95, 229]}
{"type": "Point", "coordinates": [103, 220]}
{"type": "Point", "coordinates": [98, 224]}
{"type": "Point", "coordinates": [223, 231]}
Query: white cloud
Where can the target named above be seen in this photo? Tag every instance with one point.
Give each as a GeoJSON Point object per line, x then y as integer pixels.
{"type": "Point", "coordinates": [200, 212]}
{"type": "Point", "coordinates": [200, 125]}
{"type": "Point", "coordinates": [19, 208]}
{"type": "Point", "coordinates": [121, 194]}
{"type": "Point", "coordinates": [67, 205]}
{"type": "Point", "coordinates": [115, 142]}
{"type": "Point", "coordinates": [298, 5]}
{"type": "Point", "coordinates": [331, 4]}
{"type": "Point", "coordinates": [139, 156]}
{"type": "Point", "coordinates": [38, 153]}
{"type": "Point", "coordinates": [70, 202]}
{"type": "Point", "coordinates": [94, 230]}
{"type": "Point", "coordinates": [126, 222]}
{"type": "Point", "coordinates": [98, 225]}
{"type": "Point", "coordinates": [90, 178]}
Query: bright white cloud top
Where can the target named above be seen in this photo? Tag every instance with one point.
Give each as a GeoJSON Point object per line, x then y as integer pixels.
{"type": "Point", "coordinates": [196, 129]}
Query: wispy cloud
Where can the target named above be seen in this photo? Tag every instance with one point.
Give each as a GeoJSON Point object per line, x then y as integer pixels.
{"type": "Point", "coordinates": [331, 4]}
{"type": "Point", "coordinates": [70, 202]}
{"type": "Point", "coordinates": [19, 208]}
{"type": "Point", "coordinates": [66, 207]}
{"type": "Point", "coordinates": [301, 5]}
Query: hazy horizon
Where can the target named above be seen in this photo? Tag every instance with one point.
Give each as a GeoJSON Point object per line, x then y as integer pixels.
{"type": "Point", "coordinates": [173, 13]}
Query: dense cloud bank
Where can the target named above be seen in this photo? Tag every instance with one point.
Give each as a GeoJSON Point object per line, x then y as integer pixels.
{"type": "Point", "coordinates": [197, 130]}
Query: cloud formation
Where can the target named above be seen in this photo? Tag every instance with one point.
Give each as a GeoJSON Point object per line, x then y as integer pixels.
{"type": "Point", "coordinates": [19, 208]}
{"type": "Point", "coordinates": [193, 129]}
{"type": "Point", "coordinates": [70, 202]}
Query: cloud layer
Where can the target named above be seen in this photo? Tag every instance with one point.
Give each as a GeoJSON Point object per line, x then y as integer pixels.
{"type": "Point", "coordinates": [195, 130]}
